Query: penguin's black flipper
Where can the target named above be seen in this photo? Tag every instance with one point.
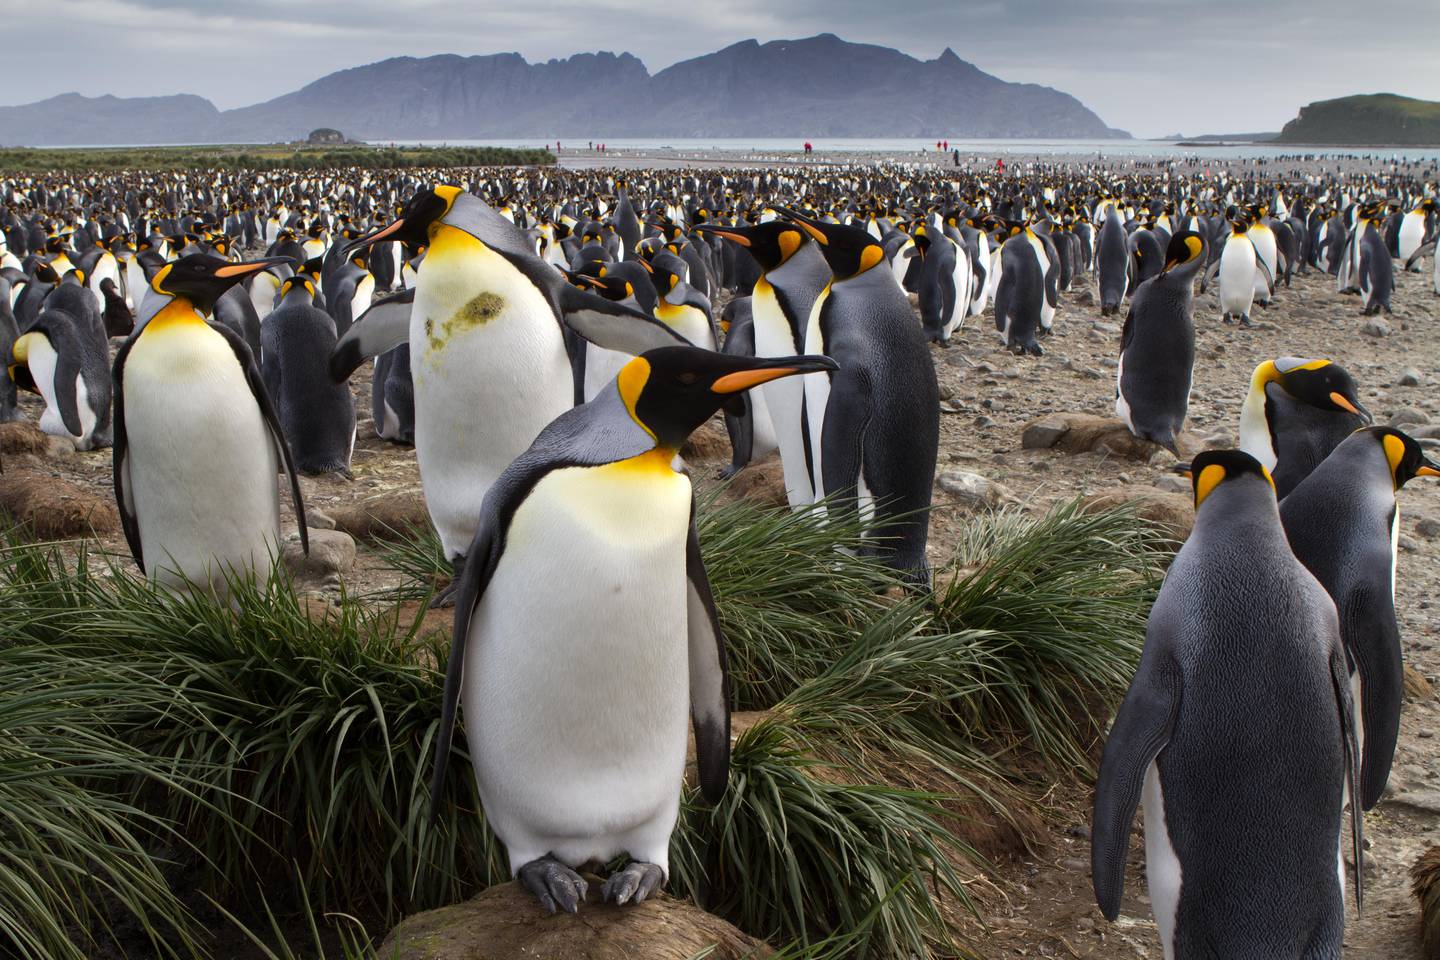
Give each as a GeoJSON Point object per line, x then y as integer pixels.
{"type": "Point", "coordinates": [246, 360]}
{"type": "Point", "coordinates": [120, 461]}
{"type": "Point", "coordinates": [1378, 660]}
{"type": "Point", "coordinates": [379, 330]}
{"type": "Point", "coordinates": [1209, 274]}
{"type": "Point", "coordinates": [1127, 332]}
{"type": "Point", "coordinates": [1340, 682]}
{"type": "Point", "coordinates": [847, 415]}
{"type": "Point", "coordinates": [1424, 250]}
{"type": "Point", "coordinates": [1269, 277]}
{"type": "Point", "coordinates": [709, 675]}
{"type": "Point", "coordinates": [614, 326]}
{"type": "Point", "coordinates": [1141, 730]}
{"type": "Point", "coordinates": [66, 370]}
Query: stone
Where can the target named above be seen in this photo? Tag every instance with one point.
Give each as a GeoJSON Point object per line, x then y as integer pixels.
{"type": "Point", "coordinates": [1428, 527]}
{"type": "Point", "coordinates": [1409, 377]}
{"type": "Point", "coordinates": [390, 516]}
{"type": "Point", "coordinates": [1174, 483]}
{"type": "Point", "coordinates": [709, 444]}
{"type": "Point", "coordinates": [1375, 327]}
{"type": "Point", "coordinates": [762, 482]}
{"type": "Point", "coordinates": [332, 552]}
{"type": "Point", "coordinates": [506, 922]}
{"type": "Point", "coordinates": [1409, 415]}
{"type": "Point", "coordinates": [972, 490]}
{"type": "Point", "coordinates": [1086, 433]}
{"type": "Point", "coordinates": [1172, 514]}
{"type": "Point", "coordinates": [1416, 685]}
{"type": "Point", "coordinates": [318, 520]}
{"type": "Point", "coordinates": [1044, 433]}
{"type": "Point", "coordinates": [51, 508]}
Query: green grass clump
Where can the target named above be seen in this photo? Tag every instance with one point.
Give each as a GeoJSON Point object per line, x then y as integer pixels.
{"type": "Point", "coordinates": [294, 748]}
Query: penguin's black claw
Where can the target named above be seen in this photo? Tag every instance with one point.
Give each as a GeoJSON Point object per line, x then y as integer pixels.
{"type": "Point", "coordinates": [554, 884]}
{"type": "Point", "coordinates": [636, 882]}
{"type": "Point", "coordinates": [446, 596]}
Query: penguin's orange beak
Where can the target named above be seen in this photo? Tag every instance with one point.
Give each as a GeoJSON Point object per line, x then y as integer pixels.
{"type": "Point", "coordinates": [1340, 401]}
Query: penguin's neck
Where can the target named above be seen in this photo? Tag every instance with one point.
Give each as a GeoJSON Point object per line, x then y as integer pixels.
{"type": "Point", "coordinates": [177, 313]}
{"type": "Point", "coordinates": [1255, 436]}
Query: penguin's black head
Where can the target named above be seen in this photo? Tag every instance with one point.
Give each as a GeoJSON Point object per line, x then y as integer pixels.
{"type": "Point", "coordinates": [612, 288]}
{"type": "Point", "coordinates": [771, 244]}
{"type": "Point", "coordinates": [671, 391]}
{"type": "Point", "coordinates": [202, 279]}
{"type": "Point", "coordinates": [1185, 248]}
{"type": "Point", "coordinates": [1319, 383]}
{"type": "Point", "coordinates": [412, 225]}
{"type": "Point", "coordinates": [849, 251]}
{"type": "Point", "coordinates": [1211, 468]}
{"type": "Point", "coordinates": [295, 282]}
{"type": "Point", "coordinates": [1407, 461]}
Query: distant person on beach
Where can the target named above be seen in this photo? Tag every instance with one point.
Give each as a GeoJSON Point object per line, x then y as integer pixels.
{"type": "Point", "coordinates": [808, 148]}
{"type": "Point", "coordinates": [956, 153]}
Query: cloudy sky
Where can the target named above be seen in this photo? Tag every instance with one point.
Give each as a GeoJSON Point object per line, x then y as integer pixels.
{"type": "Point", "coordinates": [1153, 67]}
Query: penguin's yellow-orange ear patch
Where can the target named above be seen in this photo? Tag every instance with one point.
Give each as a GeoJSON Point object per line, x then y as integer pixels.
{"type": "Point", "coordinates": [870, 256]}
{"type": "Point", "coordinates": [789, 241]}
{"type": "Point", "coordinates": [1265, 471]}
{"type": "Point", "coordinates": [631, 381]}
{"type": "Point", "coordinates": [1206, 483]}
{"type": "Point", "coordinates": [1394, 452]}
{"type": "Point", "coordinates": [1194, 245]}
{"type": "Point", "coordinates": [157, 281]}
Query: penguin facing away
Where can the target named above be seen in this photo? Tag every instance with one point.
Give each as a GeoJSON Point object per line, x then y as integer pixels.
{"type": "Point", "coordinates": [316, 414]}
{"type": "Point", "coordinates": [1157, 347]}
{"type": "Point", "coordinates": [595, 502]}
{"type": "Point", "coordinates": [197, 441]}
{"type": "Point", "coordinates": [1237, 731]}
{"type": "Point", "coordinates": [1343, 523]}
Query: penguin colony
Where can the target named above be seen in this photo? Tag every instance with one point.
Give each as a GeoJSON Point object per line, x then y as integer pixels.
{"type": "Point", "coordinates": [547, 340]}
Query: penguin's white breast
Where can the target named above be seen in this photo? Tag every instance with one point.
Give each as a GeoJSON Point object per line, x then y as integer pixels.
{"type": "Point", "coordinates": [576, 689]}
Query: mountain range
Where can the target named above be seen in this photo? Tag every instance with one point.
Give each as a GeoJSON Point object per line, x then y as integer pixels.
{"type": "Point", "coordinates": [821, 86]}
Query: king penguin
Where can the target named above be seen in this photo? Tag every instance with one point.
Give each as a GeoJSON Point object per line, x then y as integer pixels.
{"type": "Point", "coordinates": [1296, 412]}
{"type": "Point", "coordinates": [1238, 731]}
{"type": "Point", "coordinates": [316, 414]}
{"type": "Point", "coordinates": [877, 416]}
{"type": "Point", "coordinates": [488, 354]}
{"type": "Point", "coordinates": [576, 712]}
{"type": "Point", "coordinates": [1343, 523]}
{"type": "Point", "coordinates": [793, 274]}
{"type": "Point", "coordinates": [197, 441]}
{"type": "Point", "coordinates": [1157, 347]}
{"type": "Point", "coordinates": [64, 356]}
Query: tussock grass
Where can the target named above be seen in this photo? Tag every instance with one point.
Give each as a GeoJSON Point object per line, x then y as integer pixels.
{"type": "Point", "coordinates": [293, 748]}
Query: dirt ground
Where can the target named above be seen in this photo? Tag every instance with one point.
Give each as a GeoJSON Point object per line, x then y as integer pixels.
{"type": "Point", "coordinates": [1042, 906]}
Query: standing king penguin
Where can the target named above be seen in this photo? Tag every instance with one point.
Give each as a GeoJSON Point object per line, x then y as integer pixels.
{"type": "Point", "coordinates": [1238, 731]}
{"type": "Point", "coordinates": [197, 441]}
{"type": "Point", "coordinates": [488, 356]}
{"type": "Point", "coordinates": [876, 417]}
{"type": "Point", "coordinates": [1157, 347]}
{"type": "Point", "coordinates": [794, 273]}
{"type": "Point", "coordinates": [576, 712]}
{"type": "Point", "coordinates": [1343, 523]}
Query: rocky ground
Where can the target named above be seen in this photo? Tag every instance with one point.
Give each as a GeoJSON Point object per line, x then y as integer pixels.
{"type": "Point", "coordinates": [1039, 905]}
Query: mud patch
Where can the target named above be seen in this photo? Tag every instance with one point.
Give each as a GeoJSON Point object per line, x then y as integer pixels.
{"type": "Point", "coordinates": [480, 310]}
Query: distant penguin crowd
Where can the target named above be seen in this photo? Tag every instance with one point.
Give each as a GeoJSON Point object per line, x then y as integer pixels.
{"type": "Point", "coordinates": [548, 339]}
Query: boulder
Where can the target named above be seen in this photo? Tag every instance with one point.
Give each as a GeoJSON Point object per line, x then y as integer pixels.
{"type": "Point", "coordinates": [51, 508]}
{"type": "Point", "coordinates": [1085, 433]}
{"type": "Point", "coordinates": [332, 553]}
{"type": "Point", "coordinates": [972, 490]}
{"type": "Point", "coordinates": [386, 517]}
{"type": "Point", "coordinates": [762, 482]}
{"type": "Point", "coordinates": [1173, 514]}
{"type": "Point", "coordinates": [506, 922]}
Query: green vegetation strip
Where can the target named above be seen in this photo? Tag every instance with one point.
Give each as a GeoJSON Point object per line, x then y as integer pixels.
{"type": "Point", "coordinates": [262, 157]}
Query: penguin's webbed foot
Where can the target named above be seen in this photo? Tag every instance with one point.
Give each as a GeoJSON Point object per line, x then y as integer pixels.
{"type": "Point", "coordinates": [1245, 321]}
{"type": "Point", "coordinates": [636, 882]}
{"type": "Point", "coordinates": [553, 883]}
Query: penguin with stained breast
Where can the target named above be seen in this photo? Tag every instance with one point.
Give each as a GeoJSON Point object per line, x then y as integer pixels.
{"type": "Point", "coordinates": [1157, 347]}
{"type": "Point", "coordinates": [197, 442]}
{"type": "Point", "coordinates": [485, 333]}
{"type": "Point", "coordinates": [793, 275]}
{"type": "Point", "coordinates": [752, 433]}
{"type": "Point", "coordinates": [877, 416]}
{"type": "Point", "coordinates": [595, 503]}
{"type": "Point", "coordinates": [64, 356]}
{"type": "Point", "coordinates": [1343, 523]}
{"type": "Point", "coordinates": [1238, 732]}
{"type": "Point", "coordinates": [316, 415]}
{"type": "Point", "coordinates": [1296, 412]}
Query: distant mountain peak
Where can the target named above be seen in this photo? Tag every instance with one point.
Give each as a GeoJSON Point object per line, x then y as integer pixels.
{"type": "Point", "coordinates": [808, 87]}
